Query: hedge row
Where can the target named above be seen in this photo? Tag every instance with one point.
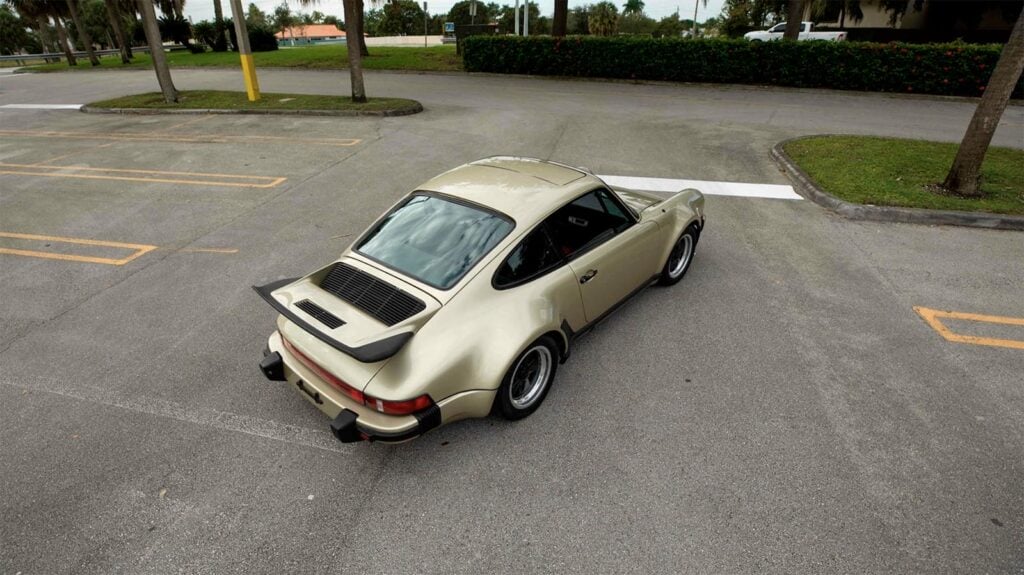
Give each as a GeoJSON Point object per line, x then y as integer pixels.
{"type": "Point", "coordinates": [949, 69]}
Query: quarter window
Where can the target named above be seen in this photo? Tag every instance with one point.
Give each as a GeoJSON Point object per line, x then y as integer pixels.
{"type": "Point", "coordinates": [532, 257]}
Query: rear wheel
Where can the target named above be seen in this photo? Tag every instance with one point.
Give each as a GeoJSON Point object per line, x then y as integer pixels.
{"type": "Point", "coordinates": [528, 380]}
{"type": "Point", "coordinates": [680, 258]}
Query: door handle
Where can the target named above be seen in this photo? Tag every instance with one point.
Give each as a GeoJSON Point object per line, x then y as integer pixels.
{"type": "Point", "coordinates": [588, 276]}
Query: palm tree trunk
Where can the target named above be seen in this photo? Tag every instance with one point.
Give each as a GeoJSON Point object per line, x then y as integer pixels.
{"type": "Point", "coordinates": [156, 51]}
{"type": "Point", "coordinates": [83, 34]}
{"type": "Point", "coordinates": [558, 23]}
{"type": "Point", "coordinates": [794, 15]}
{"type": "Point", "coordinates": [62, 38]}
{"type": "Point", "coordinates": [355, 59]}
{"type": "Point", "coordinates": [178, 9]}
{"type": "Point", "coordinates": [44, 35]}
{"type": "Point", "coordinates": [361, 28]}
{"type": "Point", "coordinates": [114, 15]}
{"type": "Point", "coordinates": [964, 176]}
{"type": "Point", "coordinates": [220, 43]}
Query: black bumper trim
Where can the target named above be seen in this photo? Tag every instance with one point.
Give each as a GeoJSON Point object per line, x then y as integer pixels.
{"type": "Point", "coordinates": [369, 353]}
{"type": "Point", "coordinates": [272, 366]}
{"type": "Point", "coordinates": [346, 427]}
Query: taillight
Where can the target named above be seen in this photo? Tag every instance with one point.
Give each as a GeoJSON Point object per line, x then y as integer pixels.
{"type": "Point", "coordinates": [405, 407]}
{"type": "Point", "coordinates": [327, 376]}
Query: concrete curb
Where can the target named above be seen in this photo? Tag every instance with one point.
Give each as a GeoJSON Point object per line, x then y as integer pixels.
{"type": "Point", "coordinates": [407, 111]}
{"type": "Point", "coordinates": [806, 187]}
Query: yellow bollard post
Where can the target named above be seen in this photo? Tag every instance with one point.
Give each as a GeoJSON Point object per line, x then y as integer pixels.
{"type": "Point", "coordinates": [252, 85]}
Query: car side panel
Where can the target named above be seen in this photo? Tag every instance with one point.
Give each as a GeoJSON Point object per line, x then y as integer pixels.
{"type": "Point", "coordinates": [471, 342]}
{"type": "Point", "coordinates": [622, 264]}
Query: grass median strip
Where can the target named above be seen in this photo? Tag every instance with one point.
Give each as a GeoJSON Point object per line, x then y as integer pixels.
{"type": "Point", "coordinates": [895, 172]}
{"type": "Point", "coordinates": [433, 59]}
{"type": "Point", "coordinates": [223, 100]}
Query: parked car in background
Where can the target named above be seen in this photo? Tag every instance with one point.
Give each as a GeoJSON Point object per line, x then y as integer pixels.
{"type": "Point", "coordinates": [806, 33]}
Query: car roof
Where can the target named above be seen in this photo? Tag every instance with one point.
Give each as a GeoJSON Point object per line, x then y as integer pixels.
{"type": "Point", "coordinates": [525, 189]}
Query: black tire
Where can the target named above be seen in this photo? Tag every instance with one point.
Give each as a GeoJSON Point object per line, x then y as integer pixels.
{"type": "Point", "coordinates": [516, 397]}
{"type": "Point", "coordinates": [686, 248]}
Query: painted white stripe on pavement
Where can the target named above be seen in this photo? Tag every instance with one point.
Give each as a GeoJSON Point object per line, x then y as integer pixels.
{"type": "Point", "coordinates": [43, 106]}
{"type": "Point", "coordinates": [774, 191]}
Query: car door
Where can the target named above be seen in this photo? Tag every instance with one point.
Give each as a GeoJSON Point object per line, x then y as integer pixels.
{"type": "Point", "coordinates": [609, 251]}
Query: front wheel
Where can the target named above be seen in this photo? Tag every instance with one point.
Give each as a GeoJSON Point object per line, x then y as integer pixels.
{"type": "Point", "coordinates": [680, 258]}
{"type": "Point", "coordinates": [528, 380]}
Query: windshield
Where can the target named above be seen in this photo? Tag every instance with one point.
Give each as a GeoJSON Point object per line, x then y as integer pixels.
{"type": "Point", "coordinates": [434, 240]}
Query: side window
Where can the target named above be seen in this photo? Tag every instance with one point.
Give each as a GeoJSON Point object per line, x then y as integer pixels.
{"type": "Point", "coordinates": [532, 257]}
{"type": "Point", "coordinates": [586, 222]}
{"type": "Point", "coordinates": [779, 28]}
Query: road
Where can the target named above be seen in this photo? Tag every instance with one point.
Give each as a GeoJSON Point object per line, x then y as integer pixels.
{"type": "Point", "coordinates": [783, 409]}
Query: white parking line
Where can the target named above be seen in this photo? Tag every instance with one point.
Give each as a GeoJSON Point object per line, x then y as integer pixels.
{"type": "Point", "coordinates": [773, 191]}
{"type": "Point", "coordinates": [43, 106]}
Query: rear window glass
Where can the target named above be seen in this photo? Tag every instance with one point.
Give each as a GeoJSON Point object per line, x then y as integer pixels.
{"type": "Point", "coordinates": [434, 240]}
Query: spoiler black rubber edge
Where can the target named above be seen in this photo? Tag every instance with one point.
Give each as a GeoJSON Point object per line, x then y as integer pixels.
{"type": "Point", "coordinates": [369, 353]}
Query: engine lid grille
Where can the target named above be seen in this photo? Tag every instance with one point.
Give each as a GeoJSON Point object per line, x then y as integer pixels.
{"type": "Point", "coordinates": [325, 317]}
{"type": "Point", "coordinates": [380, 299]}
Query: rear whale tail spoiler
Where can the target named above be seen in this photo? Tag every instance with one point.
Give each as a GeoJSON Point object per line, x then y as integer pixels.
{"type": "Point", "coordinates": [369, 353]}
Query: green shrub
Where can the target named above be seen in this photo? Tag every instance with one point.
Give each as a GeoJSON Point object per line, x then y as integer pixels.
{"type": "Point", "coordinates": [949, 69]}
{"type": "Point", "coordinates": [261, 38]}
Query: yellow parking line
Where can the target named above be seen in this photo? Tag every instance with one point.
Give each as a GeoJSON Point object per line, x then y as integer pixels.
{"type": "Point", "coordinates": [186, 138]}
{"type": "Point", "coordinates": [932, 318]}
{"type": "Point", "coordinates": [139, 249]}
{"type": "Point", "coordinates": [254, 181]}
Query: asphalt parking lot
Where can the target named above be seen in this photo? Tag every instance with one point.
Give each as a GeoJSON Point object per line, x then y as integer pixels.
{"type": "Point", "coordinates": [783, 409]}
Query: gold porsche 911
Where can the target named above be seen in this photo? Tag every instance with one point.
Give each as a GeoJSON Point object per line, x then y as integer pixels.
{"type": "Point", "coordinates": [466, 295]}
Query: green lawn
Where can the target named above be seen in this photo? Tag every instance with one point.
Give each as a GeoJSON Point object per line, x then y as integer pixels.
{"type": "Point", "coordinates": [213, 99]}
{"type": "Point", "coordinates": [893, 172]}
{"type": "Point", "coordinates": [333, 56]}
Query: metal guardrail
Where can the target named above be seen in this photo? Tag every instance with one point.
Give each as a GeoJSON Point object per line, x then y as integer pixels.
{"type": "Point", "coordinates": [22, 58]}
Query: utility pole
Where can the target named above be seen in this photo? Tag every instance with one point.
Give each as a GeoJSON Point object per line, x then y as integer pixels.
{"type": "Point", "coordinates": [526, 18]}
{"type": "Point", "coordinates": [516, 14]}
{"type": "Point", "coordinates": [252, 86]}
{"type": "Point", "coordinates": [426, 19]}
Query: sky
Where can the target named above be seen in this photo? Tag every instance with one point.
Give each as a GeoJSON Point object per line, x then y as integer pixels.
{"type": "Point", "coordinates": [203, 9]}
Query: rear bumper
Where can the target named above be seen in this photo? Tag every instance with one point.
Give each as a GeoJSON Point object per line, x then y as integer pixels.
{"type": "Point", "coordinates": [350, 422]}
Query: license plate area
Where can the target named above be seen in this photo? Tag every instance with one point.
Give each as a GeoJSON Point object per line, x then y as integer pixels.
{"type": "Point", "coordinates": [312, 393]}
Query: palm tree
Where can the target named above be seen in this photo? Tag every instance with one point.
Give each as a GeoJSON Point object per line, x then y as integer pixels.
{"type": "Point", "coordinates": [964, 176]}
{"type": "Point", "coordinates": [156, 51]}
{"type": "Point", "coordinates": [696, 4]}
{"type": "Point", "coordinates": [794, 16]}
{"type": "Point", "coordinates": [37, 12]}
{"type": "Point", "coordinates": [114, 15]}
{"type": "Point", "coordinates": [353, 33]}
{"type": "Point", "coordinates": [633, 7]}
{"type": "Point", "coordinates": [83, 33]}
{"type": "Point", "coordinates": [604, 17]}
{"type": "Point", "coordinates": [220, 42]}
{"type": "Point", "coordinates": [56, 10]}
{"type": "Point", "coordinates": [561, 18]}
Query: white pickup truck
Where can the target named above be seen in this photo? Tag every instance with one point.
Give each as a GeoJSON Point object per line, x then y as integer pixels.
{"type": "Point", "coordinates": [806, 33]}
